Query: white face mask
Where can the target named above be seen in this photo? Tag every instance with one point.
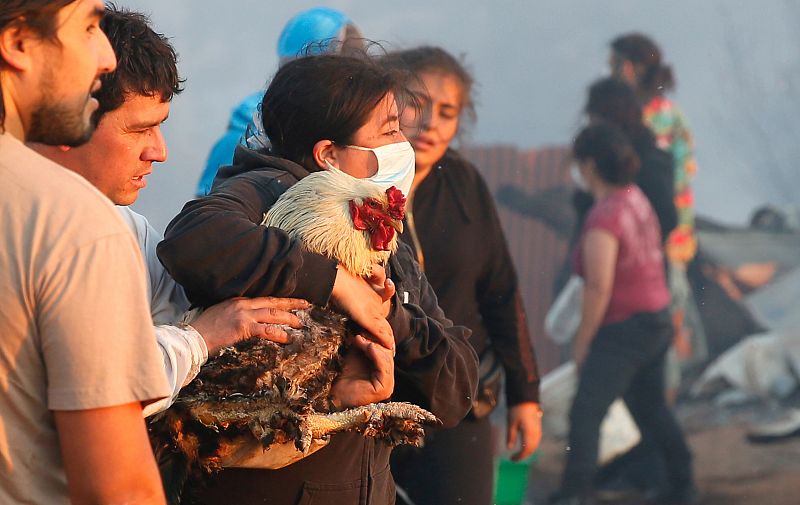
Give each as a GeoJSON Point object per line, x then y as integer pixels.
{"type": "Point", "coordinates": [395, 166]}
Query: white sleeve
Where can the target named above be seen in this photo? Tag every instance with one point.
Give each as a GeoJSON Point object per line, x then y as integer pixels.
{"type": "Point", "coordinates": [168, 301]}
{"type": "Point", "coordinates": [182, 348]}
{"type": "Point", "coordinates": [184, 352]}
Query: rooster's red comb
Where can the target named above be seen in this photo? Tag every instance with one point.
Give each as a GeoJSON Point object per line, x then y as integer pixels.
{"type": "Point", "coordinates": [397, 203]}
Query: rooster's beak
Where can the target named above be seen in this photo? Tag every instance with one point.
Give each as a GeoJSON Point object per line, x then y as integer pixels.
{"type": "Point", "coordinates": [397, 225]}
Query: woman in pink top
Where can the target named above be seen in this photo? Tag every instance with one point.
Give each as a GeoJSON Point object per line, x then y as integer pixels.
{"type": "Point", "coordinates": [625, 325]}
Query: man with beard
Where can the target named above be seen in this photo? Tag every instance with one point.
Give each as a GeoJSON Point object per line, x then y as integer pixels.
{"type": "Point", "coordinates": [134, 102]}
{"type": "Point", "coordinates": [77, 356]}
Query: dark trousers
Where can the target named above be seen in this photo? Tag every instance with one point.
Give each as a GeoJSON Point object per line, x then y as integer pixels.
{"type": "Point", "coordinates": [626, 359]}
{"type": "Point", "coordinates": [642, 468]}
{"type": "Point", "coordinates": [351, 470]}
{"type": "Point", "coordinates": [455, 467]}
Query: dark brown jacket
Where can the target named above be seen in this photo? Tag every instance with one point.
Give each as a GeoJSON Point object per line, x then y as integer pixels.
{"type": "Point", "coordinates": [457, 233]}
{"type": "Point", "coordinates": [216, 248]}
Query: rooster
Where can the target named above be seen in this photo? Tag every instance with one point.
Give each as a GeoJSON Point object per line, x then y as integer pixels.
{"type": "Point", "coordinates": [261, 404]}
{"type": "Point", "coordinates": [341, 217]}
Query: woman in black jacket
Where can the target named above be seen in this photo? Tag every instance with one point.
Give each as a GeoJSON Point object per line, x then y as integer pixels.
{"type": "Point", "coordinates": [615, 102]}
{"type": "Point", "coordinates": [452, 223]}
{"type": "Point", "coordinates": [322, 112]}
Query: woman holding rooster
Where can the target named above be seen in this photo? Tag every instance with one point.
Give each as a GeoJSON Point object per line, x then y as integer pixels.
{"type": "Point", "coordinates": [451, 204]}
{"type": "Point", "coordinates": [325, 113]}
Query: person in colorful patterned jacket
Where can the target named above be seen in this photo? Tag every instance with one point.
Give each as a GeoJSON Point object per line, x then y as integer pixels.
{"type": "Point", "coordinates": [636, 59]}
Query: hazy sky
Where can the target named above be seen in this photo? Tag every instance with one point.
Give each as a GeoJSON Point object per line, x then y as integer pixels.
{"type": "Point", "coordinates": [736, 64]}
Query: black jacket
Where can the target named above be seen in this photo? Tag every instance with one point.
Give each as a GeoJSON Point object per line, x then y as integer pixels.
{"type": "Point", "coordinates": [452, 225]}
{"type": "Point", "coordinates": [656, 179]}
{"type": "Point", "coordinates": [216, 248]}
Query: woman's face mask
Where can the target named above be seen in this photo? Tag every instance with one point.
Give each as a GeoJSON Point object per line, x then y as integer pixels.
{"type": "Point", "coordinates": [577, 177]}
{"type": "Point", "coordinates": [395, 165]}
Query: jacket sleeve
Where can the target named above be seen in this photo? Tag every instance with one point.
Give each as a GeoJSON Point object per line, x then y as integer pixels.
{"type": "Point", "coordinates": [501, 308]}
{"type": "Point", "coordinates": [216, 248]}
{"type": "Point", "coordinates": [435, 366]}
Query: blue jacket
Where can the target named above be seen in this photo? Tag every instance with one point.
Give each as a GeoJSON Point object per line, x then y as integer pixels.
{"type": "Point", "coordinates": [222, 152]}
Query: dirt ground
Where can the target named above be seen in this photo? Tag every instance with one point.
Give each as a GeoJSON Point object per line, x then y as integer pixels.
{"type": "Point", "coordinates": [729, 469]}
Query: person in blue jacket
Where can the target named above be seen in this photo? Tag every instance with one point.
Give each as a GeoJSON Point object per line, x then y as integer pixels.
{"type": "Point", "coordinates": [313, 31]}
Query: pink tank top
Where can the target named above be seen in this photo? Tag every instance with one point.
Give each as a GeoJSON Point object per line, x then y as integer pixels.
{"type": "Point", "coordinates": [639, 279]}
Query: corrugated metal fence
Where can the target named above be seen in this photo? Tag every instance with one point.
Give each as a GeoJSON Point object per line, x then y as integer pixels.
{"type": "Point", "coordinates": [537, 252]}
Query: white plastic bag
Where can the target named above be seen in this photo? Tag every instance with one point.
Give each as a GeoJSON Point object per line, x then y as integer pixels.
{"type": "Point", "coordinates": [618, 432]}
{"type": "Point", "coordinates": [562, 320]}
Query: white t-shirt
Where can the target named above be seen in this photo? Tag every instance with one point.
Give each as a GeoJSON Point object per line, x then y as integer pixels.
{"type": "Point", "coordinates": [75, 330]}
{"type": "Point", "coordinates": [184, 350]}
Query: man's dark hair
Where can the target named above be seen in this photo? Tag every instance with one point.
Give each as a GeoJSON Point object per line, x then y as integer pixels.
{"type": "Point", "coordinates": [615, 101]}
{"type": "Point", "coordinates": [37, 15]}
{"type": "Point", "coordinates": [325, 97]}
{"type": "Point", "coordinates": [146, 61]}
{"type": "Point", "coordinates": [614, 158]}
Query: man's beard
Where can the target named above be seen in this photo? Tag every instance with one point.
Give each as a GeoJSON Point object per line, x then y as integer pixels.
{"type": "Point", "coordinates": [59, 123]}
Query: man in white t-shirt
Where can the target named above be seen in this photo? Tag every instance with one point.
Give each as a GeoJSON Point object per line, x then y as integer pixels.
{"type": "Point", "coordinates": [134, 102]}
{"type": "Point", "coordinates": [77, 357]}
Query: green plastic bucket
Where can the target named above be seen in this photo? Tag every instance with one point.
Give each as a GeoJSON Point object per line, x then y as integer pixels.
{"type": "Point", "coordinates": [511, 479]}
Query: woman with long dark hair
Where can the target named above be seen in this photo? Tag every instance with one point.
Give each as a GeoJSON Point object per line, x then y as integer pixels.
{"type": "Point", "coordinates": [625, 327]}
